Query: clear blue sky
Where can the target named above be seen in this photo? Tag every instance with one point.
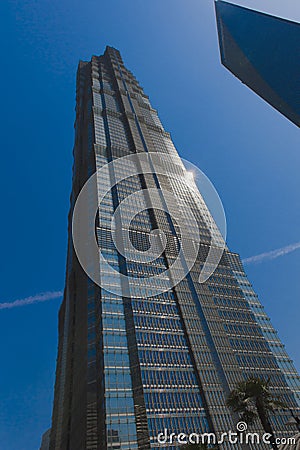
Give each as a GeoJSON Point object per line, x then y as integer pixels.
{"type": "Point", "coordinates": [248, 150]}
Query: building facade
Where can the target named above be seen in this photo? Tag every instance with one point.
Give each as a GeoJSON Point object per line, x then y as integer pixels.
{"type": "Point", "coordinates": [261, 50]}
{"type": "Point", "coordinates": [45, 440]}
{"type": "Point", "coordinates": [130, 367]}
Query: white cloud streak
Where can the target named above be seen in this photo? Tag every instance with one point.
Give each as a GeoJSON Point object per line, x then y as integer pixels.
{"type": "Point", "coordinates": [272, 254]}
{"type": "Point", "coordinates": [43, 297]}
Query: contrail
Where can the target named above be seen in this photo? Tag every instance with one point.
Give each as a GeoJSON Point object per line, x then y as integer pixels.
{"type": "Point", "coordinates": [43, 297]}
{"type": "Point", "coordinates": [272, 255]}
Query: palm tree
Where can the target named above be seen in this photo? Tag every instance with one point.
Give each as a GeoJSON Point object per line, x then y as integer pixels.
{"type": "Point", "coordinates": [252, 398]}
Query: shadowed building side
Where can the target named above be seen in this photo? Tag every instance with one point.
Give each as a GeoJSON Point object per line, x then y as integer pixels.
{"type": "Point", "coordinates": [263, 52]}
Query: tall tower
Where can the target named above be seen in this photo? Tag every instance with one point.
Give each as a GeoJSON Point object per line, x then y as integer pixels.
{"type": "Point", "coordinates": [135, 358]}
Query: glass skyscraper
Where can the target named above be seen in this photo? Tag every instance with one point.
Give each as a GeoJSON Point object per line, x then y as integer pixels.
{"type": "Point", "coordinates": [134, 357]}
{"type": "Point", "coordinates": [263, 52]}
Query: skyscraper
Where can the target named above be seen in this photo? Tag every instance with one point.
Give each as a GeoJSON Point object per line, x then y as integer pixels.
{"type": "Point", "coordinates": [138, 353]}
{"type": "Point", "coordinates": [45, 440]}
{"type": "Point", "coordinates": [263, 52]}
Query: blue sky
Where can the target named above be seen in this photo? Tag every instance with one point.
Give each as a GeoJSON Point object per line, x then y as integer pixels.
{"type": "Point", "coordinates": [248, 150]}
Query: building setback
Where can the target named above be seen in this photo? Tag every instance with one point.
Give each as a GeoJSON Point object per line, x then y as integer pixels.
{"type": "Point", "coordinates": [263, 52]}
{"type": "Point", "coordinates": [129, 367]}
